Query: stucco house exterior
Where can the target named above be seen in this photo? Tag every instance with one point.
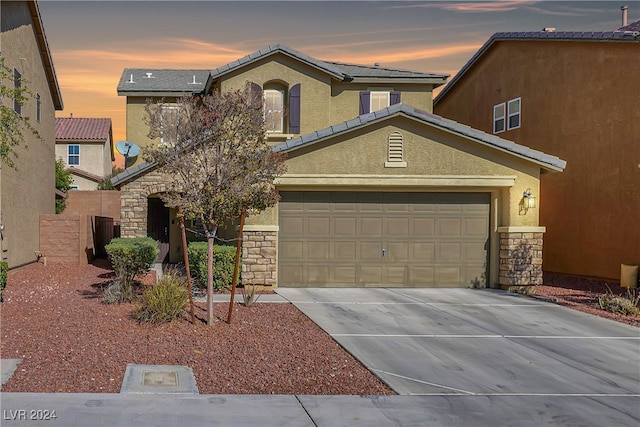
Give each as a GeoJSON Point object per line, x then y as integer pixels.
{"type": "Point", "coordinates": [86, 147]}
{"type": "Point", "coordinates": [29, 190]}
{"type": "Point", "coordinates": [574, 94]}
{"type": "Point", "coordinates": [378, 191]}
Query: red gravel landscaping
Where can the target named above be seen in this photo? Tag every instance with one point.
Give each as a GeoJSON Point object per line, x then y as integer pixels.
{"type": "Point", "coordinates": [69, 341]}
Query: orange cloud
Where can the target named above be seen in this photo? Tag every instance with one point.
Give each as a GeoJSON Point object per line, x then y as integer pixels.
{"type": "Point", "coordinates": [473, 6]}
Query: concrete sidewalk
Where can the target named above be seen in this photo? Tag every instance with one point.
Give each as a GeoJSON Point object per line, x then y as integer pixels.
{"type": "Point", "coordinates": [126, 410]}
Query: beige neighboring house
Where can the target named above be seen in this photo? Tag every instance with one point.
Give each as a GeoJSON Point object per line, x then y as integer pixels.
{"type": "Point", "coordinates": [379, 191]}
{"type": "Point", "coordinates": [29, 190]}
{"type": "Point", "coordinates": [86, 147]}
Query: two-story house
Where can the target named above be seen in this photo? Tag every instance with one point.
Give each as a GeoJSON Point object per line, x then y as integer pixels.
{"type": "Point", "coordinates": [378, 190]}
{"type": "Point", "coordinates": [86, 147]}
{"type": "Point", "coordinates": [29, 189]}
{"type": "Point", "coordinates": [574, 94]}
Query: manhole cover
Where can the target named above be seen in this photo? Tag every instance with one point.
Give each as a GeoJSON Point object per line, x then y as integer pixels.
{"type": "Point", "coordinates": [160, 378]}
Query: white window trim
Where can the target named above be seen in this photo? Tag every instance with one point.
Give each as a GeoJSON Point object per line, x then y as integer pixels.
{"type": "Point", "coordinates": [496, 118]}
{"type": "Point", "coordinates": [385, 92]}
{"type": "Point", "coordinates": [281, 93]}
{"type": "Point", "coordinates": [166, 107]}
{"type": "Point", "coordinates": [69, 154]}
{"type": "Point", "coordinates": [509, 114]}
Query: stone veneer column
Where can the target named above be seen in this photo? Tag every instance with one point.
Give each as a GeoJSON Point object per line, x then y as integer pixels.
{"type": "Point", "coordinates": [520, 256]}
{"type": "Point", "coordinates": [259, 258]}
{"type": "Point", "coordinates": [133, 202]}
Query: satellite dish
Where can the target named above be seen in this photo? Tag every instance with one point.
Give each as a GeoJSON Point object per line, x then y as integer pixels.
{"type": "Point", "coordinates": [128, 150]}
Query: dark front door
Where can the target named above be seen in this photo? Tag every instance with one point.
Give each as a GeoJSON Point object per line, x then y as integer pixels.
{"type": "Point", "coordinates": [158, 227]}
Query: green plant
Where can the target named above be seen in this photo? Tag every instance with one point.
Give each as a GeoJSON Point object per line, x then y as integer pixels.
{"type": "Point", "coordinates": [250, 295]}
{"type": "Point", "coordinates": [628, 304]}
{"type": "Point", "coordinates": [4, 268]}
{"type": "Point", "coordinates": [223, 264]}
{"type": "Point", "coordinates": [63, 183]}
{"type": "Point", "coordinates": [523, 290]}
{"type": "Point", "coordinates": [130, 257]}
{"type": "Point", "coordinates": [165, 301]}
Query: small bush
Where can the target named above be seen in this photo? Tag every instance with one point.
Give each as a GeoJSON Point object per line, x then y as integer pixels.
{"type": "Point", "coordinates": [223, 264]}
{"type": "Point", "coordinates": [165, 301]}
{"type": "Point", "coordinates": [130, 257]}
{"type": "Point", "coordinates": [4, 268]}
{"type": "Point", "coordinates": [628, 304]}
{"type": "Point", "coordinates": [113, 294]}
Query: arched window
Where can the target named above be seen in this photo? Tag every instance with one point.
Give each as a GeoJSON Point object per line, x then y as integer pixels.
{"type": "Point", "coordinates": [281, 106]}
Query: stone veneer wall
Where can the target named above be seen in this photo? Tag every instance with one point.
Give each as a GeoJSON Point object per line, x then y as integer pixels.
{"type": "Point", "coordinates": [520, 259]}
{"type": "Point", "coordinates": [133, 202]}
{"type": "Point", "coordinates": [259, 258]}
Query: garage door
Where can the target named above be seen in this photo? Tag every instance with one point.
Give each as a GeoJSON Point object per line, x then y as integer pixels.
{"type": "Point", "coordinates": [383, 239]}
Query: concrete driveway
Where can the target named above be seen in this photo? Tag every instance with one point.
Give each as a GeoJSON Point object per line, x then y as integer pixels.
{"type": "Point", "coordinates": [484, 343]}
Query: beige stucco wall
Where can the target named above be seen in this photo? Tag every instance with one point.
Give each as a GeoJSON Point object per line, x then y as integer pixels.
{"type": "Point", "coordinates": [95, 157]}
{"type": "Point", "coordinates": [83, 183]}
{"type": "Point", "coordinates": [580, 103]}
{"type": "Point", "coordinates": [324, 100]}
{"type": "Point", "coordinates": [29, 191]}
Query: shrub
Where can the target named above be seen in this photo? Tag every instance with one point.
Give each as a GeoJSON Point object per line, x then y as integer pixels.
{"type": "Point", "coordinates": [130, 257]}
{"type": "Point", "coordinates": [4, 268]}
{"type": "Point", "coordinates": [628, 304]}
{"type": "Point", "coordinates": [223, 264]}
{"type": "Point", "coordinates": [165, 301]}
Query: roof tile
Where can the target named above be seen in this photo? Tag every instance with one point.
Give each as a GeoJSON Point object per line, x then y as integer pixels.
{"type": "Point", "coordinates": [78, 128]}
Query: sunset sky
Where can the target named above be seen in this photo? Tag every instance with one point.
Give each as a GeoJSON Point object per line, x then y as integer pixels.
{"type": "Point", "coordinates": [91, 42]}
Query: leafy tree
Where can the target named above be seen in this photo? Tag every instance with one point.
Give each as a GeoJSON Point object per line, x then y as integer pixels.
{"type": "Point", "coordinates": [216, 152]}
{"type": "Point", "coordinates": [63, 183]}
{"type": "Point", "coordinates": [105, 183]}
{"type": "Point", "coordinates": [13, 126]}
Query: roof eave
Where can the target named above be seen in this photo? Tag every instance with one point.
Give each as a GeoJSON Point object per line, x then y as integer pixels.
{"type": "Point", "coordinates": [159, 93]}
{"type": "Point", "coordinates": [45, 54]}
{"type": "Point", "coordinates": [435, 81]}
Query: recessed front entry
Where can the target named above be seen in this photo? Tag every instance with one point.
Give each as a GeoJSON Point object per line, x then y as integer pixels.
{"type": "Point", "coordinates": [383, 239]}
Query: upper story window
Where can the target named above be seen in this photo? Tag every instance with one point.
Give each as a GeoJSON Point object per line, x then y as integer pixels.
{"type": "Point", "coordinates": [274, 110]}
{"type": "Point", "coordinates": [377, 100]}
{"type": "Point", "coordinates": [513, 108]}
{"type": "Point", "coordinates": [17, 84]}
{"type": "Point", "coordinates": [38, 107]}
{"type": "Point", "coordinates": [281, 106]}
{"type": "Point", "coordinates": [73, 154]}
{"type": "Point", "coordinates": [169, 124]}
{"type": "Point", "coordinates": [498, 118]}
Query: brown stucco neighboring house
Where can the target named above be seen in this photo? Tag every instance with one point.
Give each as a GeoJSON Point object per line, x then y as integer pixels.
{"type": "Point", "coordinates": [377, 192]}
{"type": "Point", "coordinates": [86, 147]}
{"type": "Point", "coordinates": [574, 94]}
{"type": "Point", "coordinates": [29, 190]}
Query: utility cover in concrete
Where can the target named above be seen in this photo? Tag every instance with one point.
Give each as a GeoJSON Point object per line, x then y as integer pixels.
{"type": "Point", "coordinates": [158, 379]}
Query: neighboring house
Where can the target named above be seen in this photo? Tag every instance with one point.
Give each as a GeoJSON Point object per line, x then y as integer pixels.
{"type": "Point", "coordinates": [577, 95]}
{"type": "Point", "coordinates": [377, 192]}
{"type": "Point", "coordinates": [86, 147]}
{"type": "Point", "coordinates": [29, 191]}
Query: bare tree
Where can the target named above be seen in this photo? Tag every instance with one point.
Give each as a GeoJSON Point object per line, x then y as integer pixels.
{"type": "Point", "coordinates": [215, 150]}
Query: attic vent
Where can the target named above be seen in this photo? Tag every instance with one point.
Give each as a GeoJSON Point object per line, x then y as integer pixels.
{"type": "Point", "coordinates": [131, 79]}
{"type": "Point", "coordinates": [150, 76]}
{"type": "Point", "coordinates": [395, 156]}
{"type": "Point", "coordinates": [549, 29]}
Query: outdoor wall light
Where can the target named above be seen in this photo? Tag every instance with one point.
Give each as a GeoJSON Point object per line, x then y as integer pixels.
{"type": "Point", "coordinates": [528, 200]}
